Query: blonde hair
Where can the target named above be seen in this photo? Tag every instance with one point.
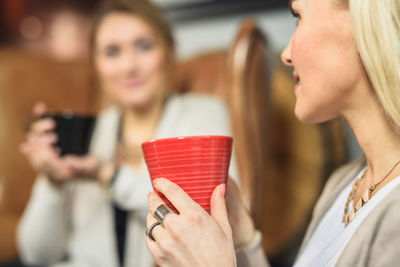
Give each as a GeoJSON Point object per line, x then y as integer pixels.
{"type": "Point", "coordinates": [377, 32]}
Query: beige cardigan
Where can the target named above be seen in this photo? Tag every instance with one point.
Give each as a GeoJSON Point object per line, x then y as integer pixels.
{"type": "Point", "coordinates": [375, 243]}
{"type": "Point", "coordinates": [77, 218]}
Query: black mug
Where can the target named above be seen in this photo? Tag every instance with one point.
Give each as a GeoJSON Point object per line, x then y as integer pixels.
{"type": "Point", "coordinates": [74, 132]}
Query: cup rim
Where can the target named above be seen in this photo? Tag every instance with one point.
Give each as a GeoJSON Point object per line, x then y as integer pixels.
{"type": "Point", "coordinates": [194, 137]}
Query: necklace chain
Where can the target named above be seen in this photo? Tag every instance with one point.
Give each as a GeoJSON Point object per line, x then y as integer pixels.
{"type": "Point", "coordinates": [366, 196]}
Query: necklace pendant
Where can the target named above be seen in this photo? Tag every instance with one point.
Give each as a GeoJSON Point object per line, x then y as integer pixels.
{"type": "Point", "coordinates": [358, 205]}
{"type": "Point", "coordinates": [365, 196]}
{"type": "Point", "coordinates": [351, 216]}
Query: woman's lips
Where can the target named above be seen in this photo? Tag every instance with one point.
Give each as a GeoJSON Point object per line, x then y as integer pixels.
{"type": "Point", "coordinates": [133, 83]}
{"type": "Point", "coordinates": [296, 77]}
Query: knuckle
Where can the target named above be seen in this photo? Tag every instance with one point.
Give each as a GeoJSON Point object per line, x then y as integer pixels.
{"type": "Point", "coordinates": [171, 220]}
{"type": "Point", "coordinates": [194, 218]}
{"type": "Point", "coordinates": [38, 124]}
{"type": "Point", "coordinates": [167, 247]}
{"type": "Point", "coordinates": [150, 218]}
{"type": "Point", "coordinates": [164, 243]}
{"type": "Point", "coordinates": [152, 200]}
{"type": "Point", "coordinates": [177, 230]}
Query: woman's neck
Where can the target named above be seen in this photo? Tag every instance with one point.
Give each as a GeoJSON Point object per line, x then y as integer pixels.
{"type": "Point", "coordinates": [139, 124]}
{"type": "Point", "coordinates": [376, 137]}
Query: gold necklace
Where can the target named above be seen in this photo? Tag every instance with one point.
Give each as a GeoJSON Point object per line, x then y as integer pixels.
{"type": "Point", "coordinates": [366, 196]}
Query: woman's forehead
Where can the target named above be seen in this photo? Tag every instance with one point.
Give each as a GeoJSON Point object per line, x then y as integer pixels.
{"type": "Point", "coordinates": [123, 25]}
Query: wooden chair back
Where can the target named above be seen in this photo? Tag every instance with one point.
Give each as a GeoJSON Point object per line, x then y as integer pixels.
{"type": "Point", "coordinates": [248, 94]}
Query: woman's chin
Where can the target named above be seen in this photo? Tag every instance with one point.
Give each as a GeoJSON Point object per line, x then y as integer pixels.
{"type": "Point", "coordinates": [139, 103]}
{"type": "Point", "coordinates": [311, 117]}
{"type": "Point", "coordinates": [314, 119]}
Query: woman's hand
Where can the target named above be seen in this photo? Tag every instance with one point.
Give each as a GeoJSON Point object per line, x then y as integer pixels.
{"type": "Point", "coordinates": [45, 158]}
{"type": "Point", "coordinates": [87, 166]}
{"type": "Point", "coordinates": [39, 148]}
{"type": "Point", "coordinates": [192, 237]}
{"type": "Point", "coordinates": [239, 218]}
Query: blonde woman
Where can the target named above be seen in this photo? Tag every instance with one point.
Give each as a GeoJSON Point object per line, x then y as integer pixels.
{"type": "Point", "coordinates": [71, 219]}
{"type": "Point", "coordinates": [345, 56]}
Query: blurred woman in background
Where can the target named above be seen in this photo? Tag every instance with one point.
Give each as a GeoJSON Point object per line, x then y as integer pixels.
{"type": "Point", "coordinates": [346, 62]}
{"type": "Point", "coordinates": [71, 219]}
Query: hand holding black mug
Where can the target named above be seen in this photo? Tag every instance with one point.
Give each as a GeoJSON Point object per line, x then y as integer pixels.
{"type": "Point", "coordinates": [57, 146]}
{"type": "Point", "coordinates": [73, 131]}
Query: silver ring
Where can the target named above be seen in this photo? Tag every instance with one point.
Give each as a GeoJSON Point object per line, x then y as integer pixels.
{"type": "Point", "coordinates": [161, 212]}
{"type": "Point", "coordinates": [149, 232]}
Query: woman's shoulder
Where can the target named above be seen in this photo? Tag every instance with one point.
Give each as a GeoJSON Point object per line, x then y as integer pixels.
{"type": "Point", "coordinates": [108, 113]}
{"type": "Point", "coordinates": [392, 205]}
{"type": "Point", "coordinates": [377, 240]}
{"type": "Point", "coordinates": [386, 214]}
{"type": "Point", "coordinates": [105, 132]}
{"type": "Point", "coordinates": [108, 118]}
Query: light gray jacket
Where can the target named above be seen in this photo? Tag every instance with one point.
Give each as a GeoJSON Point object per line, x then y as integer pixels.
{"type": "Point", "coordinates": [376, 242]}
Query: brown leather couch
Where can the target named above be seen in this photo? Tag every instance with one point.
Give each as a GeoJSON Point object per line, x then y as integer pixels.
{"type": "Point", "coordinates": [24, 80]}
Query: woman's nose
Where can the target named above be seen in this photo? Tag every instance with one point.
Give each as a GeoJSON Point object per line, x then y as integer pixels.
{"type": "Point", "coordinates": [130, 62]}
{"type": "Point", "coordinates": [286, 55]}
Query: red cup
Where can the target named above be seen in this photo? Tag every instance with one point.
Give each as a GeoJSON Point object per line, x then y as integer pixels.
{"type": "Point", "coordinates": [197, 164]}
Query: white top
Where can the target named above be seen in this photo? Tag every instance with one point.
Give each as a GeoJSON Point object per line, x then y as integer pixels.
{"type": "Point", "coordinates": [76, 219]}
{"type": "Point", "coordinates": [331, 236]}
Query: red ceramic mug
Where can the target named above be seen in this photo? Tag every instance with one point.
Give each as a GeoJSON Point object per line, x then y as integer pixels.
{"type": "Point", "coordinates": [196, 163]}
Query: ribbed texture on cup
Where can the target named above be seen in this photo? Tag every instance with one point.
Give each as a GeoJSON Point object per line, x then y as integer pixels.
{"type": "Point", "coordinates": [196, 163]}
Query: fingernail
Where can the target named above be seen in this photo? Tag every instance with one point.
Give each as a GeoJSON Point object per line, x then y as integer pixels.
{"type": "Point", "coordinates": [223, 190]}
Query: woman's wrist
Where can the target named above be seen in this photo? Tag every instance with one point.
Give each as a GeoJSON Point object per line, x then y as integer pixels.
{"type": "Point", "coordinates": [245, 235]}
{"type": "Point", "coordinates": [52, 177]}
{"type": "Point", "coordinates": [107, 174]}
{"type": "Point", "coordinates": [251, 239]}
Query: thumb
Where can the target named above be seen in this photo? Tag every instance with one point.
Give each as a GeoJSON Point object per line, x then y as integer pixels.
{"type": "Point", "coordinates": [39, 109]}
{"type": "Point", "coordinates": [218, 209]}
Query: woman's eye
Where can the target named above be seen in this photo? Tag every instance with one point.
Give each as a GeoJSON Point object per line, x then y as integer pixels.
{"type": "Point", "coordinates": [144, 46]}
{"type": "Point", "coordinates": [296, 15]}
{"type": "Point", "coordinates": [112, 51]}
